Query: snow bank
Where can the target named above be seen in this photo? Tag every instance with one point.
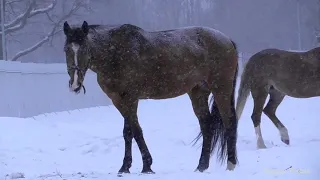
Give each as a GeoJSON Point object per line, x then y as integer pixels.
{"type": "Point", "coordinates": [88, 144]}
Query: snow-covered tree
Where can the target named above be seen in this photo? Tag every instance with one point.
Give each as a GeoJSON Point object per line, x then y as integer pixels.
{"type": "Point", "coordinates": [20, 14]}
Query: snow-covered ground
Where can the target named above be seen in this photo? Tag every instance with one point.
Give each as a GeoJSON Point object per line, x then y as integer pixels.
{"type": "Point", "coordinates": [87, 144]}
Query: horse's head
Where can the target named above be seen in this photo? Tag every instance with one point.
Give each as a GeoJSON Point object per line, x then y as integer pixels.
{"type": "Point", "coordinates": [77, 54]}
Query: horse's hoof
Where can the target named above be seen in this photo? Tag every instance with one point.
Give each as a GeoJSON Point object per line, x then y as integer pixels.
{"type": "Point", "coordinates": [230, 166]}
{"type": "Point", "coordinates": [147, 171]}
{"type": "Point", "coordinates": [201, 168]}
{"type": "Point", "coordinates": [286, 141]}
{"type": "Point", "coordinates": [124, 171]}
{"type": "Point", "coordinates": [261, 146]}
{"type": "Point", "coordinates": [284, 135]}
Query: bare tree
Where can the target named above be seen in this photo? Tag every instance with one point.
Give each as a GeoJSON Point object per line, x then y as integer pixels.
{"type": "Point", "coordinates": [22, 13]}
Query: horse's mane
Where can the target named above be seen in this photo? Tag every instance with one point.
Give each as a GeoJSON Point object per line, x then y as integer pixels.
{"type": "Point", "coordinates": [100, 29]}
{"type": "Point", "coordinates": [93, 26]}
{"type": "Point", "coordinates": [105, 26]}
{"type": "Point", "coordinates": [98, 26]}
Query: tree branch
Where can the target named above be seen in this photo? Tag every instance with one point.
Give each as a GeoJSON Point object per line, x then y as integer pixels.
{"type": "Point", "coordinates": [35, 46]}
{"type": "Point", "coordinates": [55, 30]}
{"type": "Point", "coordinates": [20, 21]}
{"type": "Point", "coordinates": [11, 2]}
{"type": "Point", "coordinates": [22, 16]}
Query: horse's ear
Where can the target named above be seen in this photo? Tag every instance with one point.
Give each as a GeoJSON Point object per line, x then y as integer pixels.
{"type": "Point", "coordinates": [66, 28]}
{"type": "Point", "coordinates": [85, 27]}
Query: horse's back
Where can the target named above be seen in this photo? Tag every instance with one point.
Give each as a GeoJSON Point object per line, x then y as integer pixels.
{"type": "Point", "coordinates": [280, 52]}
{"type": "Point", "coordinates": [193, 38]}
{"type": "Point", "coordinates": [184, 35]}
{"type": "Point", "coordinates": [265, 64]}
{"type": "Point", "coordinates": [277, 57]}
{"type": "Point", "coordinates": [282, 69]}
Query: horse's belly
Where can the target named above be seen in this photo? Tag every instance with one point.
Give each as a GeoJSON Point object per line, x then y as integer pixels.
{"type": "Point", "coordinates": [164, 95]}
{"type": "Point", "coordinates": [166, 90]}
{"type": "Point", "coordinates": [297, 91]}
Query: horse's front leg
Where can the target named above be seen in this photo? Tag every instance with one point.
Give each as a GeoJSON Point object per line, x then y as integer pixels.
{"type": "Point", "coordinates": [128, 108]}
{"type": "Point", "coordinates": [127, 136]}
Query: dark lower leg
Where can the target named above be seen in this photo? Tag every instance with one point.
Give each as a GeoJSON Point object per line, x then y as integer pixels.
{"type": "Point", "coordinates": [146, 156]}
{"type": "Point", "coordinates": [206, 145]}
{"type": "Point", "coordinates": [228, 116]}
{"type": "Point", "coordinates": [199, 98]}
{"type": "Point", "coordinates": [231, 135]}
{"type": "Point", "coordinates": [127, 160]}
{"type": "Point", "coordinates": [231, 138]}
{"type": "Point", "coordinates": [128, 106]}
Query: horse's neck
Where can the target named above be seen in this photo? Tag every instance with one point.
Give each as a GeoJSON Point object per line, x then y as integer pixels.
{"type": "Point", "coordinates": [90, 46]}
{"type": "Point", "coordinates": [93, 68]}
{"type": "Point", "coordinates": [314, 52]}
{"type": "Point", "coordinates": [94, 47]}
{"type": "Point", "coordinates": [94, 61]}
{"type": "Point", "coordinates": [312, 56]}
{"type": "Point", "coordinates": [317, 49]}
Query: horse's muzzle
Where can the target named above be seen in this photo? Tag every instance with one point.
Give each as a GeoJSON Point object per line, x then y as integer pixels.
{"type": "Point", "coordinates": [78, 89]}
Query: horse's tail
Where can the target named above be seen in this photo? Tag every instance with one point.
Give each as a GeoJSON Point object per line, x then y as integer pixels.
{"type": "Point", "coordinates": [217, 126]}
{"type": "Point", "coordinates": [243, 92]}
{"type": "Point", "coordinates": [218, 129]}
{"type": "Point", "coordinates": [235, 47]}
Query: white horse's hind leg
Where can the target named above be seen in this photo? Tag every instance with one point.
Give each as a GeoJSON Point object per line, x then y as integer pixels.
{"type": "Point", "coordinates": [284, 135]}
{"type": "Point", "coordinates": [260, 142]}
{"type": "Point", "coordinates": [276, 97]}
{"type": "Point", "coordinates": [259, 95]}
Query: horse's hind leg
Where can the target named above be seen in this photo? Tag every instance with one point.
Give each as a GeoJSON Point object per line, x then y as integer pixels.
{"type": "Point", "coordinates": [276, 98]}
{"type": "Point", "coordinates": [259, 95]}
{"type": "Point", "coordinates": [223, 109]}
{"type": "Point", "coordinates": [199, 98]}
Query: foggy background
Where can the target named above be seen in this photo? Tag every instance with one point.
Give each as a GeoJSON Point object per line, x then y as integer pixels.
{"type": "Point", "coordinates": [33, 27]}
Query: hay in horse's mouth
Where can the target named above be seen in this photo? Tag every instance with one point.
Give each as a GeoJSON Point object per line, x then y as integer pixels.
{"type": "Point", "coordinates": [77, 90]}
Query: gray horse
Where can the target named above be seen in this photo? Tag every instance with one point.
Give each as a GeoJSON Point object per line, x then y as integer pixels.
{"type": "Point", "coordinates": [133, 64]}
{"type": "Point", "coordinates": [278, 73]}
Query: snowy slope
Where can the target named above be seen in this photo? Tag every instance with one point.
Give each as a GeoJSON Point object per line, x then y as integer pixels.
{"type": "Point", "coordinates": [87, 144]}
